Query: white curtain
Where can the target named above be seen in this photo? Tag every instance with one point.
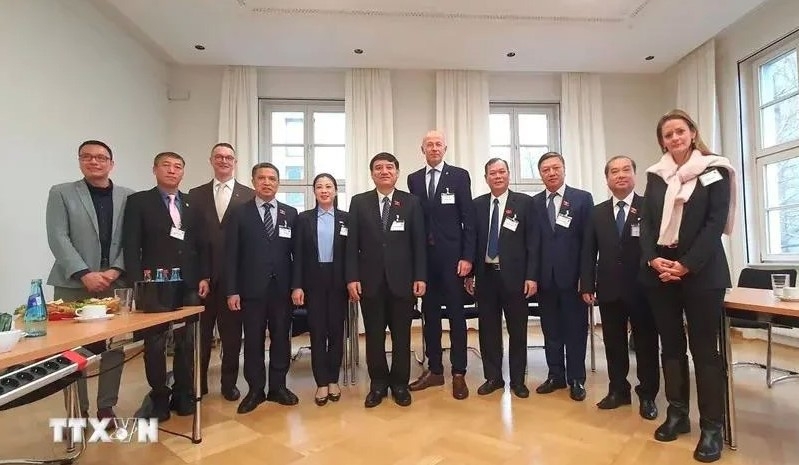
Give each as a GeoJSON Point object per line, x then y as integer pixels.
{"type": "Point", "coordinates": [583, 133]}
{"type": "Point", "coordinates": [696, 92]}
{"type": "Point", "coordinates": [369, 112]}
{"type": "Point", "coordinates": [462, 115]}
{"type": "Point", "coordinates": [238, 117]}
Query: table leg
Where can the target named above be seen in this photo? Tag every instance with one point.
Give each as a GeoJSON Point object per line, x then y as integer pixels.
{"type": "Point", "coordinates": [354, 343]}
{"type": "Point", "coordinates": [591, 336]}
{"type": "Point", "coordinates": [196, 430]}
{"type": "Point", "coordinates": [730, 436]}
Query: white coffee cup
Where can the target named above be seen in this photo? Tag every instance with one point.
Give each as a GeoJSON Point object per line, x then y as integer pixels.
{"type": "Point", "coordinates": [91, 311]}
{"type": "Point", "coordinates": [790, 292]}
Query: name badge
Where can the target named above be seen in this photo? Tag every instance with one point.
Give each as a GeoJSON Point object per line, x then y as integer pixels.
{"type": "Point", "coordinates": [447, 198]}
{"type": "Point", "coordinates": [635, 230]}
{"type": "Point", "coordinates": [177, 233]}
{"type": "Point", "coordinates": [398, 225]}
{"type": "Point", "coordinates": [710, 177]}
{"type": "Point", "coordinates": [510, 223]}
{"type": "Point", "coordinates": [563, 220]}
{"type": "Point", "coordinates": [284, 232]}
{"type": "Point", "coordinates": [343, 231]}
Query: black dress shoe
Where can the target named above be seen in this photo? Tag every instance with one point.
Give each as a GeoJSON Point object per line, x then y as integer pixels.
{"type": "Point", "coordinates": [402, 396]}
{"type": "Point", "coordinates": [232, 393]}
{"type": "Point", "coordinates": [182, 404]}
{"type": "Point", "coordinates": [490, 386]}
{"type": "Point", "coordinates": [251, 400]}
{"type": "Point", "coordinates": [614, 400]}
{"type": "Point", "coordinates": [550, 385]}
{"type": "Point", "coordinates": [577, 391]}
{"type": "Point", "coordinates": [282, 396]}
{"type": "Point", "coordinates": [520, 390]}
{"type": "Point", "coordinates": [673, 426]}
{"type": "Point", "coordinates": [648, 410]}
{"type": "Point", "coordinates": [334, 397]}
{"type": "Point", "coordinates": [709, 447]}
{"type": "Point", "coordinates": [375, 397]}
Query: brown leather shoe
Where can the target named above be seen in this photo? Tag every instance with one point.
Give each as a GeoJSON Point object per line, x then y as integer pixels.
{"type": "Point", "coordinates": [428, 379]}
{"type": "Point", "coordinates": [460, 390]}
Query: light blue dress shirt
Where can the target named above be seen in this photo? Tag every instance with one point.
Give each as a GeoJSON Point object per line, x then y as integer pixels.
{"type": "Point", "coordinates": [325, 228]}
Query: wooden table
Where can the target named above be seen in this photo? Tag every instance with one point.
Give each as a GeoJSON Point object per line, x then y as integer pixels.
{"type": "Point", "coordinates": [68, 334]}
{"type": "Point", "coordinates": [755, 301]}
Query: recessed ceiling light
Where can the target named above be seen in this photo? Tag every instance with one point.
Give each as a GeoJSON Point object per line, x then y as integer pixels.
{"type": "Point", "coordinates": [358, 51]}
{"type": "Point", "coordinates": [650, 58]}
{"type": "Point", "coordinates": [510, 54]}
{"type": "Point", "coordinates": [199, 47]}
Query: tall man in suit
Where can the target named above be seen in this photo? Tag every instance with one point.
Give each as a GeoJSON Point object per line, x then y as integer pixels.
{"type": "Point", "coordinates": [507, 244]}
{"type": "Point", "coordinates": [386, 271]}
{"type": "Point", "coordinates": [84, 231]}
{"type": "Point", "coordinates": [614, 232]}
{"type": "Point", "coordinates": [563, 214]}
{"type": "Point", "coordinates": [162, 230]}
{"type": "Point", "coordinates": [445, 192]}
{"type": "Point", "coordinates": [258, 246]}
{"type": "Point", "coordinates": [214, 200]}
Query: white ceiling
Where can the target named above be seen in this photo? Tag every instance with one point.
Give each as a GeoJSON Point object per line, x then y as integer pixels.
{"type": "Point", "coordinates": [546, 35]}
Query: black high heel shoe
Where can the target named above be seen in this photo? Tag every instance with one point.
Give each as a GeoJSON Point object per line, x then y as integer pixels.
{"type": "Point", "coordinates": [334, 397]}
{"type": "Point", "coordinates": [320, 401]}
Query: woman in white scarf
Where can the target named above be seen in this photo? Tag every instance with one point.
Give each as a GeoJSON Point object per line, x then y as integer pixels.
{"type": "Point", "coordinates": [690, 194]}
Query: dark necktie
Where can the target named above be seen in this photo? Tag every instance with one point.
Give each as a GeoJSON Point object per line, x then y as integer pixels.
{"type": "Point", "coordinates": [551, 209]}
{"type": "Point", "coordinates": [384, 213]}
{"type": "Point", "coordinates": [268, 224]}
{"type": "Point", "coordinates": [493, 232]}
{"type": "Point", "coordinates": [620, 217]}
{"type": "Point", "coordinates": [431, 186]}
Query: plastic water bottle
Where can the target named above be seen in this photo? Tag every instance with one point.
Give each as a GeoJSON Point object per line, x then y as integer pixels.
{"type": "Point", "coordinates": [35, 318]}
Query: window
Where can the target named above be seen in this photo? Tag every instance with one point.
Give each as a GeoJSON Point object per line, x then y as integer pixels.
{"type": "Point", "coordinates": [303, 139]}
{"type": "Point", "coordinates": [772, 109]}
{"type": "Point", "coordinates": [520, 134]}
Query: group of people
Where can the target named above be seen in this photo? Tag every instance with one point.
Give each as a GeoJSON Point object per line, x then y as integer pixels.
{"type": "Point", "coordinates": [649, 263]}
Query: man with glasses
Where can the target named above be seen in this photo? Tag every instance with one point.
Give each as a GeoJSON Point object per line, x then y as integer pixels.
{"type": "Point", "coordinates": [214, 200]}
{"type": "Point", "coordinates": [84, 230]}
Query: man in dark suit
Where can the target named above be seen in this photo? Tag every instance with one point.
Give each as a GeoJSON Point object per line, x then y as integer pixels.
{"type": "Point", "coordinates": [161, 230]}
{"type": "Point", "coordinates": [507, 244]}
{"type": "Point", "coordinates": [386, 271]}
{"type": "Point", "coordinates": [258, 245]}
{"type": "Point", "coordinates": [614, 232]}
{"type": "Point", "coordinates": [445, 192]}
{"type": "Point", "coordinates": [214, 200]}
{"type": "Point", "coordinates": [563, 214]}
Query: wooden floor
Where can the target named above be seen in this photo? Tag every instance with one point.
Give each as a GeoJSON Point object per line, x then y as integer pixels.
{"type": "Point", "coordinates": [435, 429]}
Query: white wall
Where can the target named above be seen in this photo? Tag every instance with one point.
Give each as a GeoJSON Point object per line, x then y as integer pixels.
{"type": "Point", "coordinates": [758, 29]}
{"type": "Point", "coordinates": [69, 74]}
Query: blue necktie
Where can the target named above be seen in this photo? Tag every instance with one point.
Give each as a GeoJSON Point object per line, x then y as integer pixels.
{"type": "Point", "coordinates": [431, 186]}
{"type": "Point", "coordinates": [620, 217]}
{"type": "Point", "coordinates": [268, 224]}
{"type": "Point", "coordinates": [493, 232]}
{"type": "Point", "coordinates": [551, 209]}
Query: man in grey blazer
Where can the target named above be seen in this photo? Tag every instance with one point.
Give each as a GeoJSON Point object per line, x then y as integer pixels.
{"type": "Point", "coordinates": [84, 231]}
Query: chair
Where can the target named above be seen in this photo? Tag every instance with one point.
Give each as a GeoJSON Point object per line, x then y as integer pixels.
{"type": "Point", "coordinates": [299, 326]}
{"type": "Point", "coordinates": [761, 279]}
{"type": "Point", "coordinates": [535, 312]}
{"type": "Point", "coordinates": [470, 311]}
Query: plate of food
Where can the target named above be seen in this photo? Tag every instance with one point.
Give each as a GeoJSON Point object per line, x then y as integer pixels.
{"type": "Point", "coordinates": [64, 310]}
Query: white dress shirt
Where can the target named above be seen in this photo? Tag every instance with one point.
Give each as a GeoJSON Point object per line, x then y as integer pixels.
{"type": "Point", "coordinates": [503, 199]}
{"type": "Point", "coordinates": [427, 169]}
{"type": "Point", "coordinates": [628, 201]}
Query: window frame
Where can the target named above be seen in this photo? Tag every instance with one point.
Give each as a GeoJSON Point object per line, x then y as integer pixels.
{"type": "Point", "coordinates": [514, 109]}
{"type": "Point", "coordinates": [308, 107]}
{"type": "Point", "coordinates": [759, 156]}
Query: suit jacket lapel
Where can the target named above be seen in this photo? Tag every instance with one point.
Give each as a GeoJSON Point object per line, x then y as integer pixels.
{"type": "Point", "coordinates": [86, 200]}
{"type": "Point", "coordinates": [118, 197]}
{"type": "Point", "coordinates": [236, 197]}
{"type": "Point", "coordinates": [314, 219]}
{"type": "Point", "coordinates": [374, 210]}
{"type": "Point", "coordinates": [510, 205]}
{"type": "Point", "coordinates": [441, 177]}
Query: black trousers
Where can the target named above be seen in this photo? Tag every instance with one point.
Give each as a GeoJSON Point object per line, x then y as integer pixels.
{"type": "Point", "coordinates": [385, 310]}
{"type": "Point", "coordinates": [258, 315]}
{"type": "Point", "coordinates": [327, 309]}
{"type": "Point", "coordinates": [615, 317]}
{"type": "Point", "coordinates": [493, 299]}
{"type": "Point", "coordinates": [702, 310]}
{"type": "Point", "coordinates": [155, 362]}
{"type": "Point", "coordinates": [229, 324]}
{"type": "Point", "coordinates": [564, 322]}
{"type": "Point", "coordinates": [444, 288]}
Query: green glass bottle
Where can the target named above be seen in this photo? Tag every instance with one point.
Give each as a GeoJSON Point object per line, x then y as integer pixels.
{"type": "Point", "coordinates": [35, 318]}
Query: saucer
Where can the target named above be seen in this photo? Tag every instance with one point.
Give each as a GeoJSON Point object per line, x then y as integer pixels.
{"type": "Point", "coordinates": [788, 299]}
{"type": "Point", "coordinates": [84, 319]}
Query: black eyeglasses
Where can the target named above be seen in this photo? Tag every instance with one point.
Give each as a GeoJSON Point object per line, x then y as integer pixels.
{"type": "Point", "coordinates": [99, 158]}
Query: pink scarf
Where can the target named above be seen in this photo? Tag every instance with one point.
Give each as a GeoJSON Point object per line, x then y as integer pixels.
{"type": "Point", "coordinates": [681, 182]}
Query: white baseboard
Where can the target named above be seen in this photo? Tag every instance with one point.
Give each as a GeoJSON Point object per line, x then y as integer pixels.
{"type": "Point", "coordinates": [784, 336]}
